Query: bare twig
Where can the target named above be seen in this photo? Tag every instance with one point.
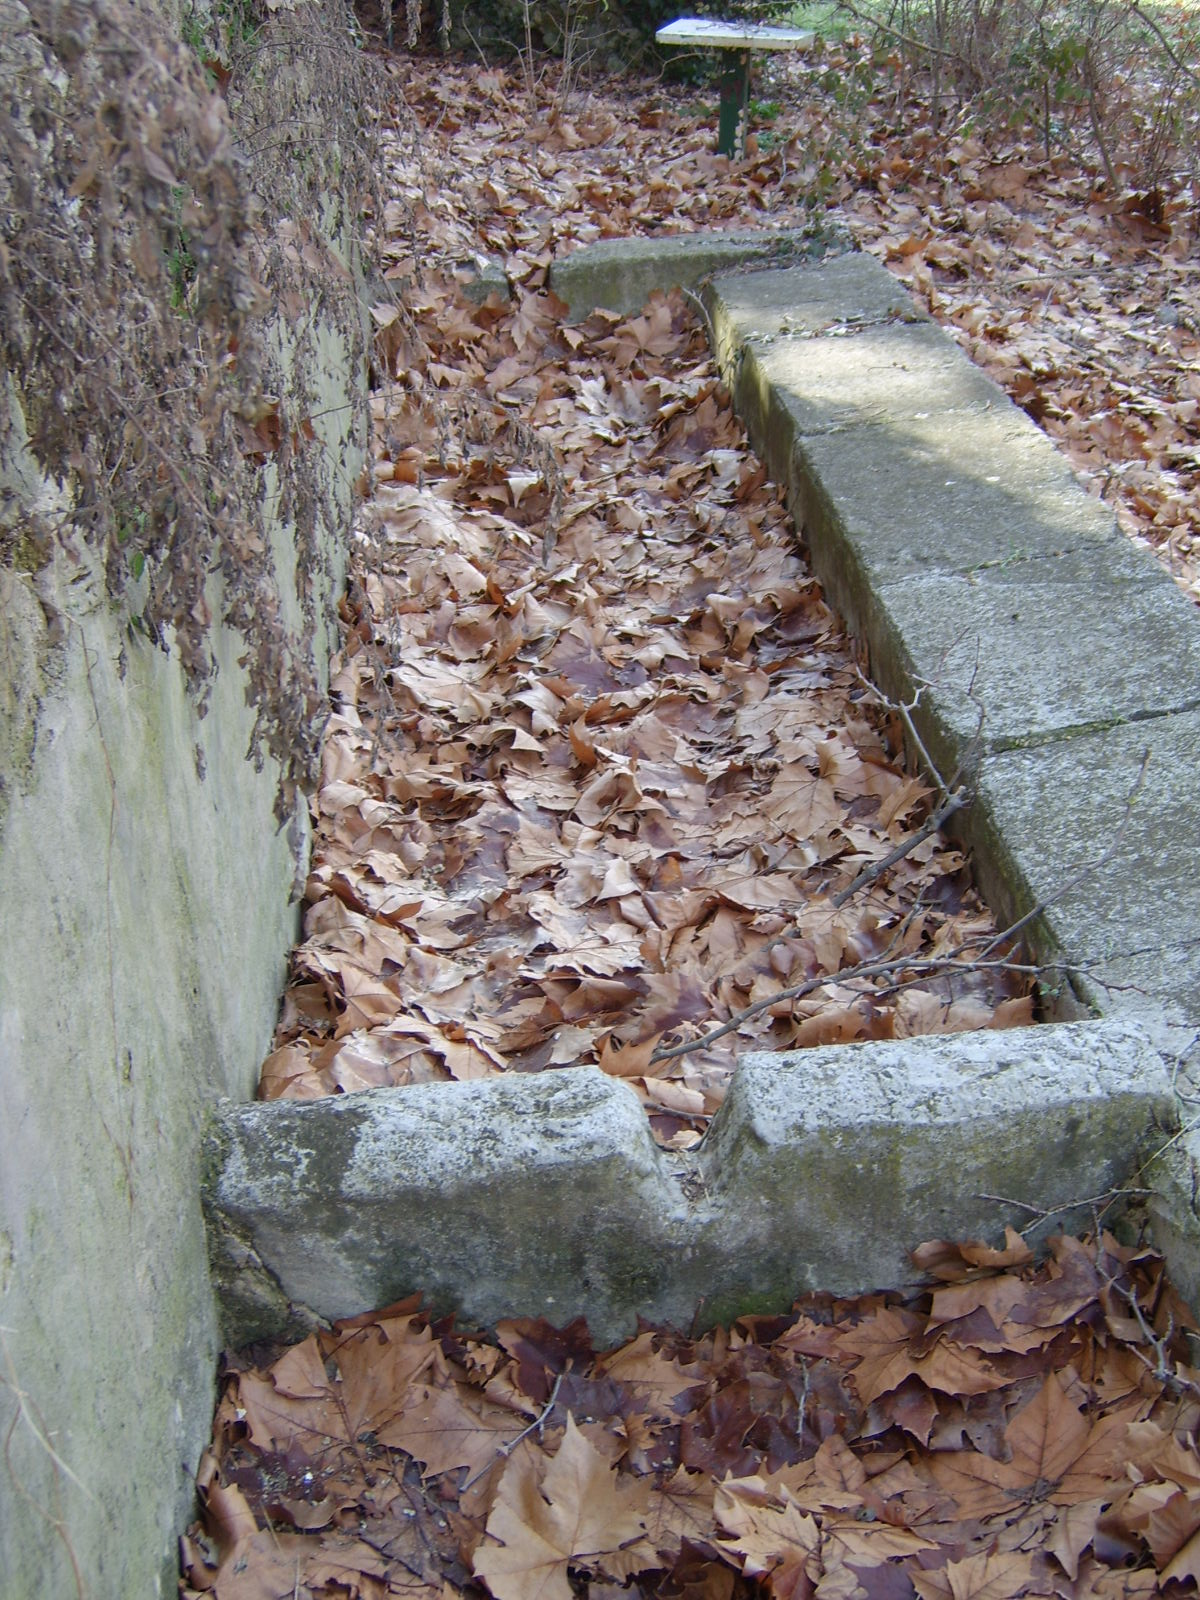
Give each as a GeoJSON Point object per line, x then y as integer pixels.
{"type": "Point", "coordinates": [1173, 56]}
{"type": "Point", "coordinates": [877, 23]}
{"type": "Point", "coordinates": [694, 300]}
{"type": "Point", "coordinates": [506, 1450]}
{"type": "Point", "coordinates": [1097, 122]}
{"type": "Point", "coordinates": [1040, 1213]}
{"type": "Point", "coordinates": [25, 1414]}
{"type": "Point", "coordinates": [918, 966]}
{"type": "Point", "coordinates": [954, 802]}
{"type": "Point", "coordinates": [1164, 1368]}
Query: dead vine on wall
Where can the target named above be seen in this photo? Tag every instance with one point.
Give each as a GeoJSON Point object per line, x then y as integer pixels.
{"type": "Point", "coordinates": [147, 263]}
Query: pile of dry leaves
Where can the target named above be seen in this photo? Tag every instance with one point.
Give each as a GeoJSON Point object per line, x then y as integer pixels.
{"type": "Point", "coordinates": [601, 768]}
{"type": "Point", "coordinates": [1016, 1430]}
{"type": "Point", "coordinates": [600, 772]}
{"type": "Point", "coordinates": [601, 765]}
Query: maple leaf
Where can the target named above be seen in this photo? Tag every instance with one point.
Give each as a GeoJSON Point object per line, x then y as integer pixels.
{"type": "Point", "coordinates": [884, 1342]}
{"type": "Point", "coordinates": [985, 1576]}
{"type": "Point", "coordinates": [1173, 1534]}
{"type": "Point", "coordinates": [1074, 1529]}
{"type": "Point", "coordinates": [451, 1426]}
{"type": "Point", "coordinates": [296, 1400]}
{"type": "Point", "coordinates": [377, 1367]}
{"type": "Point", "coordinates": [762, 1528]}
{"type": "Point", "coordinates": [549, 1517]}
{"type": "Point", "coordinates": [680, 1510]}
{"type": "Point", "coordinates": [1063, 1454]}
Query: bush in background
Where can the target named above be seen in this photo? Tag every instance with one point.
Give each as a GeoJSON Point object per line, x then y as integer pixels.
{"type": "Point", "coordinates": [611, 34]}
{"type": "Point", "coordinates": [1120, 76]}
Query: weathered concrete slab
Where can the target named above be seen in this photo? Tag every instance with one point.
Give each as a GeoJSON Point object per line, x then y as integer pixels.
{"type": "Point", "coordinates": [1174, 1179]}
{"type": "Point", "coordinates": [1160, 979]}
{"type": "Point", "coordinates": [1128, 928]}
{"type": "Point", "coordinates": [544, 1195]}
{"type": "Point", "coordinates": [908, 502]}
{"type": "Point", "coordinates": [838, 293]}
{"type": "Point", "coordinates": [621, 274]}
{"type": "Point", "coordinates": [945, 526]}
{"type": "Point", "coordinates": [547, 1196]}
{"type": "Point", "coordinates": [1036, 651]}
{"type": "Point", "coordinates": [830, 1165]}
{"type": "Point", "coordinates": [883, 372]}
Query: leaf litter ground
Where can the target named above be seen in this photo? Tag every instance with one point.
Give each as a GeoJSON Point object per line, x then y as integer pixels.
{"type": "Point", "coordinates": [581, 657]}
{"type": "Point", "coordinates": [601, 764]}
{"type": "Point", "coordinates": [1018, 1429]}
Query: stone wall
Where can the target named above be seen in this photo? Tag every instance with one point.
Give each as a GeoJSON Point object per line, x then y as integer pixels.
{"type": "Point", "coordinates": [146, 913]}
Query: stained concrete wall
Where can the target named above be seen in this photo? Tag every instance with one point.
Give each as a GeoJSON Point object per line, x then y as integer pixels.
{"type": "Point", "coordinates": [146, 916]}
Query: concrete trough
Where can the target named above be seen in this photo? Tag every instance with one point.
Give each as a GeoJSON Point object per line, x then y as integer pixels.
{"type": "Point", "coordinates": [547, 1195]}
{"type": "Point", "coordinates": [1044, 653]}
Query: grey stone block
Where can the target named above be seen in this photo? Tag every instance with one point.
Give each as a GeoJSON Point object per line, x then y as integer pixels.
{"type": "Point", "coordinates": [842, 292]}
{"type": "Point", "coordinates": [1128, 928]}
{"type": "Point", "coordinates": [948, 531]}
{"type": "Point", "coordinates": [831, 1165]}
{"type": "Point", "coordinates": [1174, 1179]}
{"type": "Point", "coordinates": [1038, 650]}
{"type": "Point", "coordinates": [540, 1194]}
{"type": "Point", "coordinates": [881, 373]}
{"type": "Point", "coordinates": [621, 274]}
{"type": "Point", "coordinates": [483, 276]}
{"type": "Point", "coordinates": [885, 503]}
{"type": "Point", "coordinates": [546, 1196]}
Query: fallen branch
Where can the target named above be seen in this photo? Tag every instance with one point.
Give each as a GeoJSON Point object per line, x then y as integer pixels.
{"type": "Point", "coordinates": [919, 967]}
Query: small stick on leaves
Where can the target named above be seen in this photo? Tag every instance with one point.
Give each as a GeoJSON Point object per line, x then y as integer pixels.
{"type": "Point", "coordinates": [506, 1450]}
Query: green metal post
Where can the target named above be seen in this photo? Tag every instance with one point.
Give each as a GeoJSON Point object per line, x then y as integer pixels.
{"type": "Point", "coordinates": [735, 93]}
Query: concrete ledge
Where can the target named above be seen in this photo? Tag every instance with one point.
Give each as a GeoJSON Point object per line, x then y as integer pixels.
{"type": "Point", "coordinates": [621, 274]}
{"type": "Point", "coordinates": [949, 532]}
{"type": "Point", "coordinates": [1048, 654]}
{"type": "Point", "coordinates": [542, 1195]}
{"type": "Point", "coordinates": [953, 538]}
{"type": "Point", "coordinates": [1128, 931]}
{"type": "Point", "coordinates": [547, 1196]}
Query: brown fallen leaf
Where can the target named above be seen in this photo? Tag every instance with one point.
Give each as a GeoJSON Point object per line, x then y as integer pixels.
{"type": "Point", "coordinates": [550, 1516]}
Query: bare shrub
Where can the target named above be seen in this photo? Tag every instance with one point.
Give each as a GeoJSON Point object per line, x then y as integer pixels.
{"type": "Point", "coordinates": [1111, 75]}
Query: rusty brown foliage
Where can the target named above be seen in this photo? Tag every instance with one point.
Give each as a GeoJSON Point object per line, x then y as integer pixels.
{"type": "Point", "coordinates": [1017, 1429]}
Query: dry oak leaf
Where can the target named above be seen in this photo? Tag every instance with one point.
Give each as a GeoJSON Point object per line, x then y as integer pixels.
{"type": "Point", "coordinates": [572, 1513]}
